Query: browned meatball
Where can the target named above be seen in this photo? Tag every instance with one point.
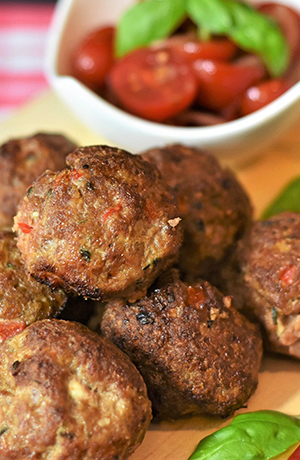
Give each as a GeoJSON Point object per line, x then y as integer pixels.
{"type": "Point", "coordinates": [197, 354]}
{"type": "Point", "coordinates": [214, 207]}
{"type": "Point", "coordinates": [265, 280]}
{"type": "Point", "coordinates": [22, 161]}
{"type": "Point", "coordinates": [23, 300]}
{"type": "Point", "coordinates": [104, 227]}
{"type": "Point", "coordinates": [68, 394]}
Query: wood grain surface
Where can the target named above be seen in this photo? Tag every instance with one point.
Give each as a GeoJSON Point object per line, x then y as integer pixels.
{"type": "Point", "coordinates": [263, 177]}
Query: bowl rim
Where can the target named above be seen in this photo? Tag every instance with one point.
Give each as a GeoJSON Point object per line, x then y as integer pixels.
{"type": "Point", "coordinates": [222, 130]}
{"type": "Point", "coordinates": [191, 133]}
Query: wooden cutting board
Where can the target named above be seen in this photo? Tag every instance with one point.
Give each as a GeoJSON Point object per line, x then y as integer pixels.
{"type": "Point", "coordinates": [263, 177]}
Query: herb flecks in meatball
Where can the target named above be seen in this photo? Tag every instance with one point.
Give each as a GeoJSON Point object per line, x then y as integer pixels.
{"type": "Point", "coordinates": [67, 394]}
{"type": "Point", "coordinates": [265, 280]}
{"type": "Point", "coordinates": [197, 354]}
{"type": "Point", "coordinates": [21, 162]}
{"type": "Point", "coordinates": [104, 227]}
{"type": "Point", "coordinates": [212, 203]}
{"type": "Point", "coordinates": [23, 300]}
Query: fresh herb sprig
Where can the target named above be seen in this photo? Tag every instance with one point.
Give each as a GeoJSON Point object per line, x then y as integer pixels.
{"type": "Point", "coordinates": [287, 200]}
{"type": "Point", "coordinates": [259, 435]}
{"type": "Point", "coordinates": [148, 21]}
{"type": "Point", "coordinates": [252, 31]}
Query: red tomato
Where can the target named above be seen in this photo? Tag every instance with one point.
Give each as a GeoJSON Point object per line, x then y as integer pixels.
{"type": "Point", "coordinates": [295, 455]}
{"type": "Point", "coordinates": [221, 82]}
{"type": "Point", "coordinates": [289, 21]}
{"type": "Point", "coordinates": [192, 48]}
{"type": "Point", "coordinates": [94, 57]}
{"type": "Point", "coordinates": [153, 83]}
{"type": "Point", "coordinates": [262, 94]}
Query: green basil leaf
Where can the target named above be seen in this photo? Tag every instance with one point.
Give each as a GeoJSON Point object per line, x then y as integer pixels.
{"type": "Point", "coordinates": [287, 200]}
{"type": "Point", "coordinates": [259, 435]}
{"type": "Point", "coordinates": [148, 21]}
{"type": "Point", "coordinates": [212, 15]}
{"type": "Point", "coordinates": [250, 30]}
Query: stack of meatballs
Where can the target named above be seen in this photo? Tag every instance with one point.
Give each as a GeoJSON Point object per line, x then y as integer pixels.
{"type": "Point", "coordinates": [159, 254]}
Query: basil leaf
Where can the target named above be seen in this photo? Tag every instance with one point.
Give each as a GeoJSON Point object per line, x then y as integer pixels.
{"type": "Point", "coordinates": [212, 15]}
{"type": "Point", "coordinates": [148, 21]}
{"type": "Point", "coordinates": [287, 200]}
{"type": "Point", "coordinates": [250, 30]}
{"type": "Point", "coordinates": [259, 435]}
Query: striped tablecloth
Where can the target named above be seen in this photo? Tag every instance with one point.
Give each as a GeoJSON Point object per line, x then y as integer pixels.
{"type": "Point", "coordinates": [23, 36]}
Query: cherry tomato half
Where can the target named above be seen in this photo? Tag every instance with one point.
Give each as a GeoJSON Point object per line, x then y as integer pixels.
{"type": "Point", "coordinates": [295, 455]}
{"type": "Point", "coordinates": [94, 57]}
{"type": "Point", "coordinates": [262, 94]}
{"type": "Point", "coordinates": [153, 83]}
{"type": "Point", "coordinates": [221, 82]}
{"type": "Point", "coordinates": [192, 48]}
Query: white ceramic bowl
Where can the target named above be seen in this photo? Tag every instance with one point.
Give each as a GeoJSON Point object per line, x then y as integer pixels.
{"type": "Point", "coordinates": [241, 138]}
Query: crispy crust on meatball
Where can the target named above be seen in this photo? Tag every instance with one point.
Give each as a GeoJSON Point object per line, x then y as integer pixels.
{"type": "Point", "coordinates": [22, 298]}
{"type": "Point", "coordinates": [212, 203]}
{"type": "Point", "coordinates": [265, 280]}
{"type": "Point", "coordinates": [22, 161]}
{"type": "Point", "coordinates": [104, 227]}
{"type": "Point", "coordinates": [197, 354]}
{"type": "Point", "coordinates": [67, 394]}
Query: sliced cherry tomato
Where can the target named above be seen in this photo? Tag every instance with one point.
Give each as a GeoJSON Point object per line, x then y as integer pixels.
{"type": "Point", "coordinates": [153, 83]}
{"type": "Point", "coordinates": [94, 57]}
{"type": "Point", "coordinates": [262, 94]}
{"type": "Point", "coordinates": [192, 48]}
{"type": "Point", "coordinates": [295, 455]}
{"type": "Point", "coordinates": [221, 82]}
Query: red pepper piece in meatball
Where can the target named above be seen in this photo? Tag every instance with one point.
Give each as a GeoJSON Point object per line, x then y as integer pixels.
{"type": "Point", "coordinates": [265, 280]}
{"type": "Point", "coordinates": [197, 354]}
{"type": "Point", "coordinates": [103, 227]}
{"type": "Point", "coordinates": [23, 300]}
{"type": "Point", "coordinates": [68, 394]}
{"type": "Point", "coordinates": [212, 203]}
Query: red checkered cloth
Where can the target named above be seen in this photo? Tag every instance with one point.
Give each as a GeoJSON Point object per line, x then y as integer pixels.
{"type": "Point", "coordinates": [23, 37]}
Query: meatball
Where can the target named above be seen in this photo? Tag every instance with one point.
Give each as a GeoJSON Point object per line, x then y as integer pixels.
{"type": "Point", "coordinates": [265, 280]}
{"type": "Point", "coordinates": [23, 300]}
{"type": "Point", "coordinates": [213, 205]}
{"type": "Point", "coordinates": [104, 227]}
{"type": "Point", "coordinates": [197, 354]}
{"type": "Point", "coordinates": [22, 161]}
{"type": "Point", "coordinates": [68, 394]}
